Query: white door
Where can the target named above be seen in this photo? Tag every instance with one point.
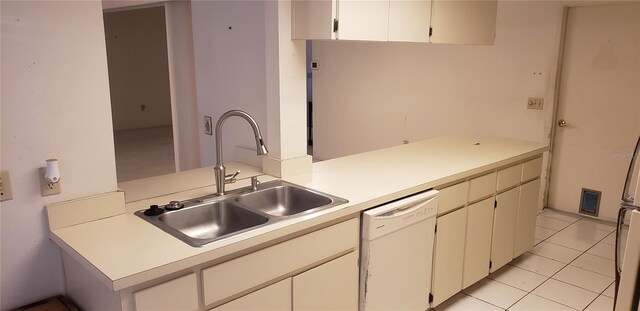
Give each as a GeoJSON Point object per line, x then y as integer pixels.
{"type": "Point", "coordinates": [599, 99]}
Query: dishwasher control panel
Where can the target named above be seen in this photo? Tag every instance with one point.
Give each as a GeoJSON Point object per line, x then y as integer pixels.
{"type": "Point", "coordinates": [387, 218]}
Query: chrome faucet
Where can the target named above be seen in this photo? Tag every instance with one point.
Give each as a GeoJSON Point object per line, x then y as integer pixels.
{"type": "Point", "coordinates": [219, 169]}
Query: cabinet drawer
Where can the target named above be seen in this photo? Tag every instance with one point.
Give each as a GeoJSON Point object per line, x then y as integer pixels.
{"type": "Point", "coordinates": [482, 186]}
{"type": "Point", "coordinates": [178, 294]}
{"type": "Point", "coordinates": [531, 169]}
{"type": "Point", "coordinates": [452, 197]}
{"type": "Point", "coordinates": [509, 177]}
{"type": "Point", "coordinates": [244, 273]}
{"type": "Point", "coordinates": [275, 297]}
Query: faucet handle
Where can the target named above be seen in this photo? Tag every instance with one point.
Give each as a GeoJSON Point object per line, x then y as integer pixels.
{"type": "Point", "coordinates": [231, 178]}
{"type": "Point", "coordinates": [254, 183]}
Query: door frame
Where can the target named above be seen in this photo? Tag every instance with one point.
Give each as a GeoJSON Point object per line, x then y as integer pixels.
{"type": "Point", "coordinates": [553, 92]}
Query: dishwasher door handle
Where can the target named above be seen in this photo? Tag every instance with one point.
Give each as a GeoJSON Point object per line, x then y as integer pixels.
{"type": "Point", "coordinates": [405, 209]}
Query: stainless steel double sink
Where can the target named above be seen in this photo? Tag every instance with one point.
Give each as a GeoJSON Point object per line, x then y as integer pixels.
{"type": "Point", "coordinates": [205, 220]}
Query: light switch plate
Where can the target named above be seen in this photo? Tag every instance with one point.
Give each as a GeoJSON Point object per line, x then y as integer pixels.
{"type": "Point", "coordinates": [5, 186]}
{"type": "Point", "coordinates": [48, 188]}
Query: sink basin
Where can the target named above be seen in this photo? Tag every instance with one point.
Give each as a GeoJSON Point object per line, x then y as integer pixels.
{"type": "Point", "coordinates": [284, 200]}
{"type": "Point", "coordinates": [204, 220]}
{"type": "Point", "coordinates": [204, 223]}
{"type": "Point", "coordinates": [212, 220]}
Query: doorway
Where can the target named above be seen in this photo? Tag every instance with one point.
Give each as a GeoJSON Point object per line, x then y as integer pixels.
{"type": "Point", "coordinates": [598, 107]}
{"type": "Point", "coordinates": [137, 55]}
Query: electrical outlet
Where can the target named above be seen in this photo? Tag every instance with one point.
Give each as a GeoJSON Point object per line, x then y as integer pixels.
{"type": "Point", "coordinates": [208, 125]}
{"type": "Point", "coordinates": [5, 186]}
{"type": "Point", "coordinates": [535, 103]}
{"type": "Point", "coordinates": [48, 188]}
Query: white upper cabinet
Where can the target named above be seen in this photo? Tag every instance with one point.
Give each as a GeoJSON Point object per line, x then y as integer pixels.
{"type": "Point", "coordinates": [313, 19]}
{"type": "Point", "coordinates": [463, 22]}
{"type": "Point", "coordinates": [458, 22]}
{"type": "Point", "coordinates": [409, 20]}
{"type": "Point", "coordinates": [366, 20]}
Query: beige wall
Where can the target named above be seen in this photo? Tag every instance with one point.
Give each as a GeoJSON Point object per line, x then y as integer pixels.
{"type": "Point", "coordinates": [229, 47]}
{"type": "Point", "coordinates": [55, 104]}
{"type": "Point", "coordinates": [373, 95]}
{"type": "Point", "coordinates": [138, 68]}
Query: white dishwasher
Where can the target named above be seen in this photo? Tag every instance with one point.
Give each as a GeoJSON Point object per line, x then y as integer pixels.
{"type": "Point", "coordinates": [396, 253]}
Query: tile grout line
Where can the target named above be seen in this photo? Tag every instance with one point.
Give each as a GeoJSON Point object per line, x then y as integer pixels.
{"type": "Point", "coordinates": [551, 276]}
{"type": "Point", "coordinates": [568, 264]}
{"type": "Point", "coordinates": [527, 293]}
{"type": "Point", "coordinates": [483, 301]}
{"type": "Point", "coordinates": [564, 266]}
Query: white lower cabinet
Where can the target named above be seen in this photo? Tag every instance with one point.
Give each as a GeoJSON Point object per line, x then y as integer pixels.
{"type": "Point", "coordinates": [174, 295]}
{"type": "Point", "coordinates": [477, 251]}
{"type": "Point", "coordinates": [526, 223]}
{"type": "Point", "coordinates": [331, 286]}
{"type": "Point", "coordinates": [249, 272]}
{"type": "Point", "coordinates": [276, 297]}
{"type": "Point", "coordinates": [475, 240]}
{"type": "Point", "coordinates": [448, 255]}
{"type": "Point", "coordinates": [504, 226]}
{"type": "Point", "coordinates": [315, 271]}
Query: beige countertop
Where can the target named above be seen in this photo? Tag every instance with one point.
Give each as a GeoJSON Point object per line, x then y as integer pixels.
{"type": "Point", "coordinates": [125, 250]}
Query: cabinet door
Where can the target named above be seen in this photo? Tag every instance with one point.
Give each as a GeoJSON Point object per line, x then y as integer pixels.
{"type": "Point", "coordinates": [478, 242]}
{"type": "Point", "coordinates": [409, 20]}
{"type": "Point", "coordinates": [178, 294]}
{"type": "Point", "coordinates": [504, 228]}
{"type": "Point", "coordinates": [448, 256]}
{"type": "Point", "coordinates": [276, 297]}
{"type": "Point", "coordinates": [366, 20]}
{"type": "Point", "coordinates": [331, 286]}
{"type": "Point", "coordinates": [464, 22]}
{"type": "Point", "coordinates": [527, 211]}
{"type": "Point", "coordinates": [313, 19]}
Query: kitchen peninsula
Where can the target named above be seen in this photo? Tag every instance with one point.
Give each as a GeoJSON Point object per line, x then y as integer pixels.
{"type": "Point", "coordinates": [118, 261]}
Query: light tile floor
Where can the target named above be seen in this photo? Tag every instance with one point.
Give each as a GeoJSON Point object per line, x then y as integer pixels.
{"type": "Point", "coordinates": [571, 267]}
{"type": "Point", "coordinates": [142, 153]}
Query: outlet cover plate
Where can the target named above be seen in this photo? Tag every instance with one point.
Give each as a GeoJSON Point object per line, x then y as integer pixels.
{"type": "Point", "coordinates": [208, 125]}
{"type": "Point", "coordinates": [47, 188]}
{"type": "Point", "coordinates": [5, 186]}
{"type": "Point", "coordinates": [535, 103]}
